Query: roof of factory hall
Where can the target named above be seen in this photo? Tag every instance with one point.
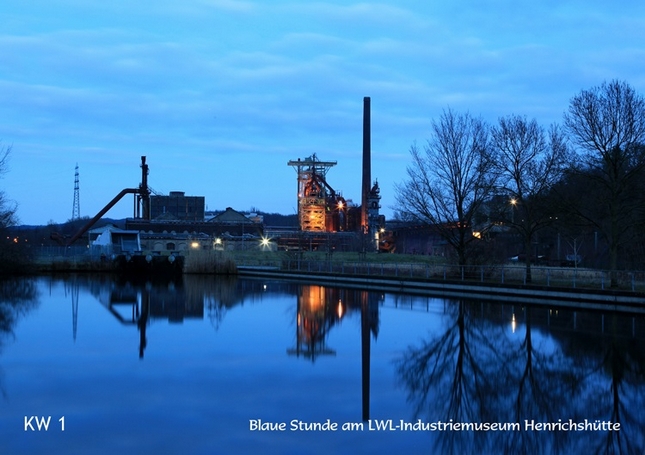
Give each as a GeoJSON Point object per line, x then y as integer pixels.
{"type": "Point", "coordinates": [230, 216]}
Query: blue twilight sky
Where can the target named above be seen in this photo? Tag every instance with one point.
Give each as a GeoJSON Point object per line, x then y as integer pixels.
{"type": "Point", "coordinates": [220, 94]}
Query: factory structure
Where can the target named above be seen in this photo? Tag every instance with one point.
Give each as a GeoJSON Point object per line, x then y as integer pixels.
{"type": "Point", "coordinates": [168, 224]}
{"type": "Point", "coordinates": [323, 210]}
{"type": "Point", "coordinates": [325, 218]}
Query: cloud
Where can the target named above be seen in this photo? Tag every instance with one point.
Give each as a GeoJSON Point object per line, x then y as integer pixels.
{"type": "Point", "coordinates": [228, 5]}
{"type": "Point", "coordinates": [359, 14]}
{"type": "Point", "coordinates": [214, 80]}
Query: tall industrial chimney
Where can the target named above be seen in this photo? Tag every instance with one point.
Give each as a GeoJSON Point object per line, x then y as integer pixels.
{"type": "Point", "coordinates": [144, 191]}
{"type": "Point", "coordinates": [367, 163]}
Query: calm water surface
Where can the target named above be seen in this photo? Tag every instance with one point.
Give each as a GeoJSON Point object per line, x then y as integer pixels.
{"type": "Point", "coordinates": [211, 366]}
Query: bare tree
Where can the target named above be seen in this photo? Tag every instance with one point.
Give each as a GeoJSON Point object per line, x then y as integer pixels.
{"type": "Point", "coordinates": [7, 208]}
{"type": "Point", "coordinates": [607, 122]}
{"type": "Point", "coordinates": [11, 254]}
{"type": "Point", "coordinates": [528, 162]}
{"type": "Point", "coordinates": [449, 180]}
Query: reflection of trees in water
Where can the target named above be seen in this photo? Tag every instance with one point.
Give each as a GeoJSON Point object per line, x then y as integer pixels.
{"type": "Point", "coordinates": [615, 383]}
{"type": "Point", "coordinates": [448, 378]}
{"type": "Point", "coordinates": [18, 296]}
{"type": "Point", "coordinates": [475, 370]}
{"type": "Point", "coordinates": [539, 381]}
{"type": "Point", "coordinates": [625, 402]}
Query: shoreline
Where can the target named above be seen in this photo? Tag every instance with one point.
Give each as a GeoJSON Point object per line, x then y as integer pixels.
{"type": "Point", "coordinates": [609, 300]}
{"type": "Point", "coordinates": [629, 301]}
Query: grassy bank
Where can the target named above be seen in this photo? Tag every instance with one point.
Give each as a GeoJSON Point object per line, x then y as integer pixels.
{"type": "Point", "coordinates": [68, 264]}
{"type": "Point", "coordinates": [210, 262]}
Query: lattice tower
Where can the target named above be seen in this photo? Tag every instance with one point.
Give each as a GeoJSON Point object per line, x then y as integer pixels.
{"type": "Point", "coordinates": [76, 207]}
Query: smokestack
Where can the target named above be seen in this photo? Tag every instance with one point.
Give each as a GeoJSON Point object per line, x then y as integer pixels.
{"type": "Point", "coordinates": [367, 161]}
{"type": "Point", "coordinates": [144, 192]}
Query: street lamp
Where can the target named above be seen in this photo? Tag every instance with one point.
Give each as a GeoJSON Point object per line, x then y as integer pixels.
{"type": "Point", "coordinates": [513, 202]}
{"type": "Point", "coordinates": [265, 242]}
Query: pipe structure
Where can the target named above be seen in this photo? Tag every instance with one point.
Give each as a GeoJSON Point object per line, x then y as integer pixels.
{"type": "Point", "coordinates": [98, 216]}
{"type": "Point", "coordinates": [367, 177]}
{"type": "Point", "coordinates": [143, 196]}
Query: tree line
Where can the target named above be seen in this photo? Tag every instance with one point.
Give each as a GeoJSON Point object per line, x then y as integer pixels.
{"type": "Point", "coordinates": [471, 179]}
{"type": "Point", "coordinates": [10, 259]}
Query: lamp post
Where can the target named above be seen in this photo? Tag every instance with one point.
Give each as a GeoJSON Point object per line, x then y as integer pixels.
{"type": "Point", "coordinates": [513, 202]}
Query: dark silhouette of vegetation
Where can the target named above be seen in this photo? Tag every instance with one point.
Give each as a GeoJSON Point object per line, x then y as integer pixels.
{"type": "Point", "coordinates": [528, 161]}
{"type": "Point", "coordinates": [12, 258]}
{"type": "Point", "coordinates": [449, 180]}
{"type": "Point", "coordinates": [607, 123]}
{"type": "Point", "coordinates": [516, 176]}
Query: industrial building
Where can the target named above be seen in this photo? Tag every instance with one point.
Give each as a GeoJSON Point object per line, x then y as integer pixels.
{"type": "Point", "coordinates": [230, 230]}
{"type": "Point", "coordinates": [326, 219]}
{"type": "Point", "coordinates": [323, 210]}
{"type": "Point", "coordinates": [177, 206]}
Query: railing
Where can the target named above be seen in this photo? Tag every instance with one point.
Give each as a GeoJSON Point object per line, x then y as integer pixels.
{"type": "Point", "coordinates": [488, 274]}
{"type": "Point", "coordinates": [563, 277]}
{"type": "Point", "coordinates": [75, 253]}
{"type": "Point", "coordinates": [71, 254]}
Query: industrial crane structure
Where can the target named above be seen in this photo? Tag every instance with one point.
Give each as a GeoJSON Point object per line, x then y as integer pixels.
{"type": "Point", "coordinates": [320, 207]}
{"type": "Point", "coordinates": [141, 206]}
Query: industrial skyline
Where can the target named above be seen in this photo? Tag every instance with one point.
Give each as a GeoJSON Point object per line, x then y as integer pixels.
{"type": "Point", "coordinates": [220, 94]}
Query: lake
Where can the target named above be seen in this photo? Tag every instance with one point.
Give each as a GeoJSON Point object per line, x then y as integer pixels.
{"type": "Point", "coordinates": [92, 364]}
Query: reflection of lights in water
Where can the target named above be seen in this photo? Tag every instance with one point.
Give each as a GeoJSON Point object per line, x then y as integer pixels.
{"type": "Point", "coordinates": [264, 287]}
{"type": "Point", "coordinates": [314, 297]}
{"type": "Point", "coordinates": [513, 323]}
{"type": "Point", "coordinates": [341, 310]}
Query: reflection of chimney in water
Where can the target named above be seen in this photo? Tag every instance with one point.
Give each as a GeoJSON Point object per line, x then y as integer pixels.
{"type": "Point", "coordinates": [366, 348]}
{"type": "Point", "coordinates": [142, 322]}
{"type": "Point", "coordinates": [367, 177]}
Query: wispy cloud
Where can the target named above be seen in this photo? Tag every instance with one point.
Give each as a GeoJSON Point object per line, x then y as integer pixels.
{"type": "Point", "coordinates": [225, 82]}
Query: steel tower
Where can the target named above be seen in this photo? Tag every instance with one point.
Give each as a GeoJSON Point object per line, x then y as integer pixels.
{"type": "Point", "coordinates": [76, 207]}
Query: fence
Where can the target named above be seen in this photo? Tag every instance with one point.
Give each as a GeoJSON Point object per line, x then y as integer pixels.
{"type": "Point", "coordinates": [493, 274]}
{"type": "Point", "coordinates": [497, 274]}
{"type": "Point", "coordinates": [68, 255]}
